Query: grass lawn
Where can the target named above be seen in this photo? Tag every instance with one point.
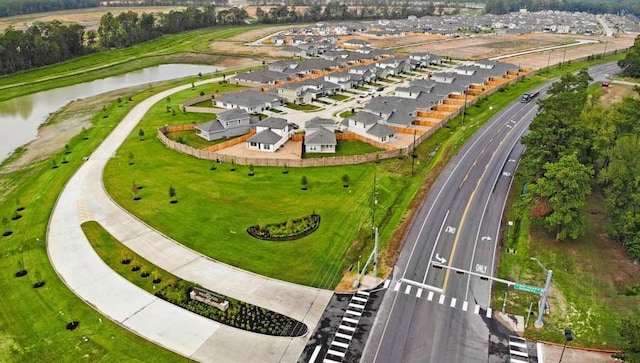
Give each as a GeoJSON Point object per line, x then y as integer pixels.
{"type": "Point", "coordinates": [112, 252]}
{"type": "Point", "coordinates": [338, 97]}
{"type": "Point", "coordinates": [297, 107]}
{"type": "Point", "coordinates": [33, 320]}
{"type": "Point", "coordinates": [346, 148]}
{"type": "Point", "coordinates": [191, 139]}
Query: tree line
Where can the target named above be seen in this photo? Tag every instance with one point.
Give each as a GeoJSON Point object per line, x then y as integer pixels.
{"type": "Point", "coordinates": [594, 7]}
{"type": "Point", "coordinates": [631, 63]}
{"type": "Point", "coordinates": [576, 146]}
{"type": "Point", "coordinates": [335, 10]}
{"type": "Point", "coordinates": [19, 7]}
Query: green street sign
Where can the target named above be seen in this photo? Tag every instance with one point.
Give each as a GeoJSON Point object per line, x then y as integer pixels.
{"type": "Point", "coordinates": [527, 288]}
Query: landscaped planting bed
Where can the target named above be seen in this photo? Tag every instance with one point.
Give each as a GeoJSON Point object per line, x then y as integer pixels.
{"type": "Point", "coordinates": [239, 315]}
{"type": "Point", "coordinates": [286, 231]}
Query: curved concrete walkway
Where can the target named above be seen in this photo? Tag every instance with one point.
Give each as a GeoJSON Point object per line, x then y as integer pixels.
{"type": "Point", "coordinates": [84, 199]}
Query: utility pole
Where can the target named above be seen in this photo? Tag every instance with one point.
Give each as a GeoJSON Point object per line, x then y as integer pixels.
{"type": "Point", "coordinates": [549, 60]}
{"type": "Point", "coordinates": [464, 109]}
{"type": "Point", "coordinates": [375, 255]}
{"type": "Point", "coordinates": [413, 152]}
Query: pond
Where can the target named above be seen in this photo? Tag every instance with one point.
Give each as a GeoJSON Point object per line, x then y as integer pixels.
{"type": "Point", "coordinates": [20, 117]}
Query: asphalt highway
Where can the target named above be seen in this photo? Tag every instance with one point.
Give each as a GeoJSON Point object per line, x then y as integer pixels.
{"type": "Point", "coordinates": [432, 313]}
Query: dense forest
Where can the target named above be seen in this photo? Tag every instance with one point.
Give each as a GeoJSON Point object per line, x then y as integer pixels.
{"type": "Point", "coordinates": [576, 147]}
{"type": "Point", "coordinates": [588, 6]}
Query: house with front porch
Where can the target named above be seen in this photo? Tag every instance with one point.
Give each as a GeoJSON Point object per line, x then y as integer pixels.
{"type": "Point", "coordinates": [320, 140]}
{"type": "Point", "coordinates": [271, 134]}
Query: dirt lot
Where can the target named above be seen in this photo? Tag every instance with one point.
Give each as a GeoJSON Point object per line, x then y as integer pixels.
{"type": "Point", "coordinates": [89, 18]}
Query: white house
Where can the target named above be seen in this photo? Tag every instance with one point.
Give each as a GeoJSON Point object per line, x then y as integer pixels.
{"type": "Point", "coordinates": [271, 133]}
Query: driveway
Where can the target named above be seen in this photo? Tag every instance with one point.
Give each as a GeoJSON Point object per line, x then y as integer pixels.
{"type": "Point", "coordinates": [84, 199]}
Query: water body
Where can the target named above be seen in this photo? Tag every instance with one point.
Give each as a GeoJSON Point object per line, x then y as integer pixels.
{"type": "Point", "coordinates": [20, 117]}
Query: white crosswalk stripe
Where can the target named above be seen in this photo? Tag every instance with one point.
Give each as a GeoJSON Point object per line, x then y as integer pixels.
{"type": "Point", "coordinates": [430, 295]}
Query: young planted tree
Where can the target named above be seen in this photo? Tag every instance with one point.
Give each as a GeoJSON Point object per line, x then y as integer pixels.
{"type": "Point", "coordinates": [304, 183]}
{"type": "Point", "coordinates": [172, 195]}
{"type": "Point", "coordinates": [135, 188]}
{"type": "Point", "coordinates": [19, 206]}
{"type": "Point", "coordinates": [54, 164]}
{"type": "Point", "coordinates": [285, 169]}
{"type": "Point", "coordinates": [233, 165]}
{"type": "Point", "coordinates": [6, 227]}
{"type": "Point", "coordinates": [67, 149]}
{"type": "Point", "coordinates": [345, 181]}
{"type": "Point", "coordinates": [141, 134]}
{"type": "Point", "coordinates": [131, 158]}
{"type": "Point", "coordinates": [251, 172]}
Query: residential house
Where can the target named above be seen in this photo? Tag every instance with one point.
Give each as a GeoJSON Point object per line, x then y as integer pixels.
{"type": "Point", "coordinates": [228, 124]}
{"type": "Point", "coordinates": [271, 133]}
{"type": "Point", "coordinates": [301, 92]}
{"type": "Point", "coordinates": [250, 101]}
{"type": "Point", "coordinates": [320, 137]}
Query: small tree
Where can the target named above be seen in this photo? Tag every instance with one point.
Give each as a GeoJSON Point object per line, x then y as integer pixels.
{"type": "Point", "coordinates": [251, 172]}
{"type": "Point", "coordinates": [6, 227]}
{"type": "Point", "coordinates": [141, 134]}
{"type": "Point", "coordinates": [19, 206]}
{"type": "Point", "coordinates": [54, 164]}
{"type": "Point", "coordinates": [172, 194]}
{"type": "Point", "coordinates": [285, 169]}
{"type": "Point", "coordinates": [345, 181]}
{"type": "Point", "coordinates": [67, 149]}
{"type": "Point", "coordinates": [135, 188]}
{"type": "Point", "coordinates": [131, 158]}
{"type": "Point", "coordinates": [304, 182]}
{"type": "Point", "coordinates": [233, 165]}
{"type": "Point", "coordinates": [193, 85]}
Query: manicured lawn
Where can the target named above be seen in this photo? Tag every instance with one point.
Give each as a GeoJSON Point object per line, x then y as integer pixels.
{"type": "Point", "coordinates": [33, 320]}
{"type": "Point", "coordinates": [112, 252]}
{"type": "Point", "coordinates": [191, 139]}
{"type": "Point", "coordinates": [338, 97]}
{"type": "Point", "coordinates": [296, 107]}
{"type": "Point", "coordinates": [346, 148]}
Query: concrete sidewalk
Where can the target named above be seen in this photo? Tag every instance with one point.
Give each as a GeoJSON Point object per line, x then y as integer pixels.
{"type": "Point", "coordinates": [174, 328]}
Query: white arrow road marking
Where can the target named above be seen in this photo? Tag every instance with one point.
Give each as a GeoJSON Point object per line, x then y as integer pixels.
{"type": "Point", "coordinates": [486, 238]}
{"type": "Point", "coordinates": [441, 260]}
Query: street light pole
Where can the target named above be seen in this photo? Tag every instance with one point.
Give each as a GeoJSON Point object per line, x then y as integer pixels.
{"type": "Point", "coordinates": [568, 336]}
{"type": "Point", "coordinates": [464, 109]}
{"type": "Point", "coordinates": [539, 323]}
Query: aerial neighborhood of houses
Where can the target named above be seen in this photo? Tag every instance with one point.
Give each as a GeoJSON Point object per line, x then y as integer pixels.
{"type": "Point", "coordinates": [391, 98]}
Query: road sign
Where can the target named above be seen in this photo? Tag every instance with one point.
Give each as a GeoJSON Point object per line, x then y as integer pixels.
{"type": "Point", "coordinates": [527, 288]}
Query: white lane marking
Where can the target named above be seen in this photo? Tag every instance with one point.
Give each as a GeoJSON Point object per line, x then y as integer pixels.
{"type": "Point", "coordinates": [426, 272]}
{"type": "Point", "coordinates": [476, 309]}
{"type": "Point", "coordinates": [407, 290]}
{"type": "Point", "coordinates": [359, 299]}
{"type": "Point", "coordinates": [424, 286]}
{"type": "Point", "coordinates": [453, 302]}
{"type": "Point", "coordinates": [540, 350]}
{"type": "Point", "coordinates": [430, 296]}
{"type": "Point", "coordinates": [341, 345]}
{"type": "Point", "coordinates": [352, 305]}
{"type": "Point", "coordinates": [488, 312]}
{"type": "Point", "coordinates": [386, 284]}
{"type": "Point", "coordinates": [397, 287]}
{"type": "Point", "coordinates": [481, 268]}
{"type": "Point", "coordinates": [344, 336]}
{"type": "Point", "coordinates": [465, 305]}
{"type": "Point", "coordinates": [348, 328]}
{"type": "Point", "coordinates": [336, 353]}
{"type": "Point", "coordinates": [353, 313]}
{"type": "Point", "coordinates": [450, 229]}
{"type": "Point", "coordinates": [441, 300]}
{"type": "Point", "coordinates": [361, 292]}
{"type": "Point", "coordinates": [419, 293]}
{"type": "Point", "coordinates": [349, 320]}
{"type": "Point", "coordinates": [315, 354]}
{"type": "Point", "coordinates": [517, 352]}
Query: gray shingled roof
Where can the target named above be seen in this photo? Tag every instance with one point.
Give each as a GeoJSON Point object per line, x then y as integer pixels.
{"type": "Point", "coordinates": [273, 123]}
{"type": "Point", "coordinates": [318, 121]}
{"type": "Point", "coordinates": [210, 126]}
{"type": "Point", "coordinates": [247, 98]}
{"type": "Point", "coordinates": [233, 114]}
{"type": "Point", "coordinates": [266, 137]}
{"type": "Point", "coordinates": [321, 137]}
{"type": "Point", "coordinates": [367, 118]}
{"type": "Point", "coordinates": [380, 130]}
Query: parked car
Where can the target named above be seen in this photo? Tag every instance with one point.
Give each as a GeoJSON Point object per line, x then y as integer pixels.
{"type": "Point", "coordinates": [363, 95]}
{"type": "Point", "coordinates": [293, 125]}
{"type": "Point", "coordinates": [380, 89]}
